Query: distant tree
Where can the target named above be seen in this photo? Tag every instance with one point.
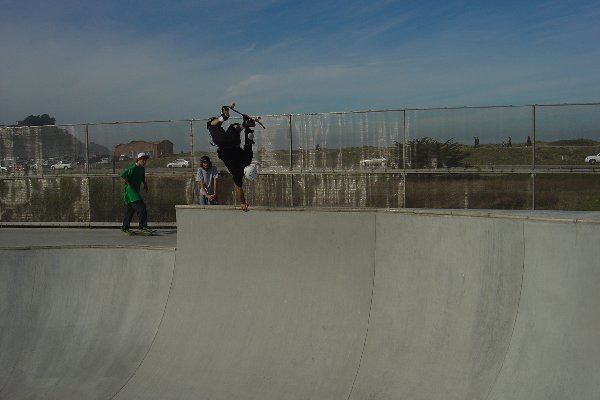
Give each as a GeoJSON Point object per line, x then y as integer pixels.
{"type": "Point", "coordinates": [451, 154]}
{"type": "Point", "coordinates": [37, 120]}
{"type": "Point", "coordinates": [424, 150]}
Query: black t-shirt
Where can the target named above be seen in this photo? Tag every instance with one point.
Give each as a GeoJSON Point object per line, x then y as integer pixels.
{"type": "Point", "coordinates": [225, 138]}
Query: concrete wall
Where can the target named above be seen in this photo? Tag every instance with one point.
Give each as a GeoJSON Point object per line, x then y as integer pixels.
{"type": "Point", "coordinates": [377, 305]}
{"type": "Point", "coordinates": [315, 304]}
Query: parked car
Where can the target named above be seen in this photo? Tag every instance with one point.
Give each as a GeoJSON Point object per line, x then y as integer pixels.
{"type": "Point", "coordinates": [61, 165]}
{"type": "Point", "coordinates": [373, 162]}
{"type": "Point", "coordinates": [3, 169]}
{"type": "Point", "coordinates": [593, 159]}
{"type": "Point", "coordinates": [104, 160]}
{"type": "Point", "coordinates": [179, 163]}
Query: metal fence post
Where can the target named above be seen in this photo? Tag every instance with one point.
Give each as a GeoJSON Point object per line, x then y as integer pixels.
{"type": "Point", "coordinates": [404, 142]}
{"type": "Point", "coordinates": [192, 143]}
{"type": "Point", "coordinates": [533, 134]}
{"type": "Point", "coordinates": [291, 142]}
{"type": "Point", "coordinates": [291, 160]}
{"type": "Point", "coordinates": [533, 157]}
{"type": "Point", "coordinates": [87, 149]}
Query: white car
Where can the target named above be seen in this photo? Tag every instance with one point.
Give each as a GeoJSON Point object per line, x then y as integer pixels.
{"type": "Point", "coordinates": [373, 162]}
{"type": "Point", "coordinates": [3, 169]}
{"type": "Point", "coordinates": [593, 159]}
{"type": "Point", "coordinates": [62, 165]}
{"type": "Point", "coordinates": [179, 163]}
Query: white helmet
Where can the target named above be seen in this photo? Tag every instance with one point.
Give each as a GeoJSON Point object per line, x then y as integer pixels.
{"type": "Point", "coordinates": [251, 172]}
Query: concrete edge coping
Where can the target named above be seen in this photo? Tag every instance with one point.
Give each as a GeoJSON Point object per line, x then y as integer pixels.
{"type": "Point", "coordinates": [90, 246]}
{"type": "Point", "coordinates": [588, 217]}
{"type": "Point", "coordinates": [94, 225]}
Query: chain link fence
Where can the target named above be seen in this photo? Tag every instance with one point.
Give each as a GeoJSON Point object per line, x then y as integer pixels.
{"type": "Point", "coordinates": [497, 157]}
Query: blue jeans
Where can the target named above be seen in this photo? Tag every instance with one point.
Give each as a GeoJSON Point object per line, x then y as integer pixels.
{"type": "Point", "coordinates": [203, 200]}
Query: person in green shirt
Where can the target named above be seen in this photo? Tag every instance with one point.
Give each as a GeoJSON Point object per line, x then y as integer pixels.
{"type": "Point", "coordinates": [135, 177]}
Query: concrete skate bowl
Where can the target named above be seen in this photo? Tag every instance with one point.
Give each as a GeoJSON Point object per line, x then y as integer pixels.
{"type": "Point", "coordinates": [312, 304]}
{"type": "Point", "coordinates": [76, 322]}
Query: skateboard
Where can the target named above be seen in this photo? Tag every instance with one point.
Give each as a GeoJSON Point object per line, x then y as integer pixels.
{"type": "Point", "coordinates": [245, 117]}
{"type": "Point", "coordinates": [149, 232]}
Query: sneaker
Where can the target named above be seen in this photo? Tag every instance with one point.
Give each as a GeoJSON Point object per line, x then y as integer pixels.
{"type": "Point", "coordinates": [249, 136]}
{"type": "Point", "coordinates": [147, 231]}
{"type": "Point", "coordinates": [248, 122]}
{"type": "Point", "coordinates": [127, 231]}
{"type": "Point", "coordinates": [225, 113]}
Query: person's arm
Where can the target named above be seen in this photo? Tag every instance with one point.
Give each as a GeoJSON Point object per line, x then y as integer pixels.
{"type": "Point", "coordinates": [241, 198]}
{"type": "Point", "coordinates": [216, 193]}
{"type": "Point", "coordinates": [213, 196]}
{"type": "Point", "coordinates": [216, 122]}
{"type": "Point", "coordinates": [202, 188]}
{"type": "Point", "coordinates": [200, 180]}
{"type": "Point", "coordinates": [222, 118]}
{"type": "Point", "coordinates": [126, 179]}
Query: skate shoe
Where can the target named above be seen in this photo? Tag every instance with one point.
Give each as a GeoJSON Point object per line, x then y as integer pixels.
{"type": "Point", "coordinates": [225, 113]}
{"type": "Point", "coordinates": [128, 232]}
{"type": "Point", "coordinates": [146, 231]}
{"type": "Point", "coordinates": [249, 137]}
{"type": "Point", "coordinates": [248, 122]}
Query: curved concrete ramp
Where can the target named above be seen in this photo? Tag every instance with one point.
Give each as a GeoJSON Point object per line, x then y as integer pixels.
{"type": "Point", "coordinates": [265, 305]}
{"type": "Point", "coordinates": [554, 352]}
{"type": "Point", "coordinates": [377, 305]}
{"type": "Point", "coordinates": [75, 323]}
{"type": "Point", "coordinates": [326, 304]}
{"type": "Point", "coordinates": [445, 302]}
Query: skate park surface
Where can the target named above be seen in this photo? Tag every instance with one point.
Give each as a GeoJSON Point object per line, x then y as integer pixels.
{"type": "Point", "coordinates": [305, 304]}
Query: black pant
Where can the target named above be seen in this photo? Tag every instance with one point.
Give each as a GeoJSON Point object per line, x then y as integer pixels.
{"type": "Point", "coordinates": [139, 208]}
{"type": "Point", "coordinates": [236, 159]}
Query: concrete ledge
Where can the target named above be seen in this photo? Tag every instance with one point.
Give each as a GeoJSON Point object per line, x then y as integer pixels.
{"type": "Point", "coordinates": [592, 217]}
{"type": "Point", "coordinates": [99, 225]}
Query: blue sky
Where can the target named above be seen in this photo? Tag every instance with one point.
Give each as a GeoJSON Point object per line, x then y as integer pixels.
{"type": "Point", "coordinates": [102, 61]}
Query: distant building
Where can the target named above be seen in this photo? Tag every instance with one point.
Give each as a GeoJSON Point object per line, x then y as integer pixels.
{"type": "Point", "coordinates": [155, 149]}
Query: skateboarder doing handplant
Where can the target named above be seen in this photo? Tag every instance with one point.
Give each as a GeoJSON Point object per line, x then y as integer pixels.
{"type": "Point", "coordinates": [237, 160]}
